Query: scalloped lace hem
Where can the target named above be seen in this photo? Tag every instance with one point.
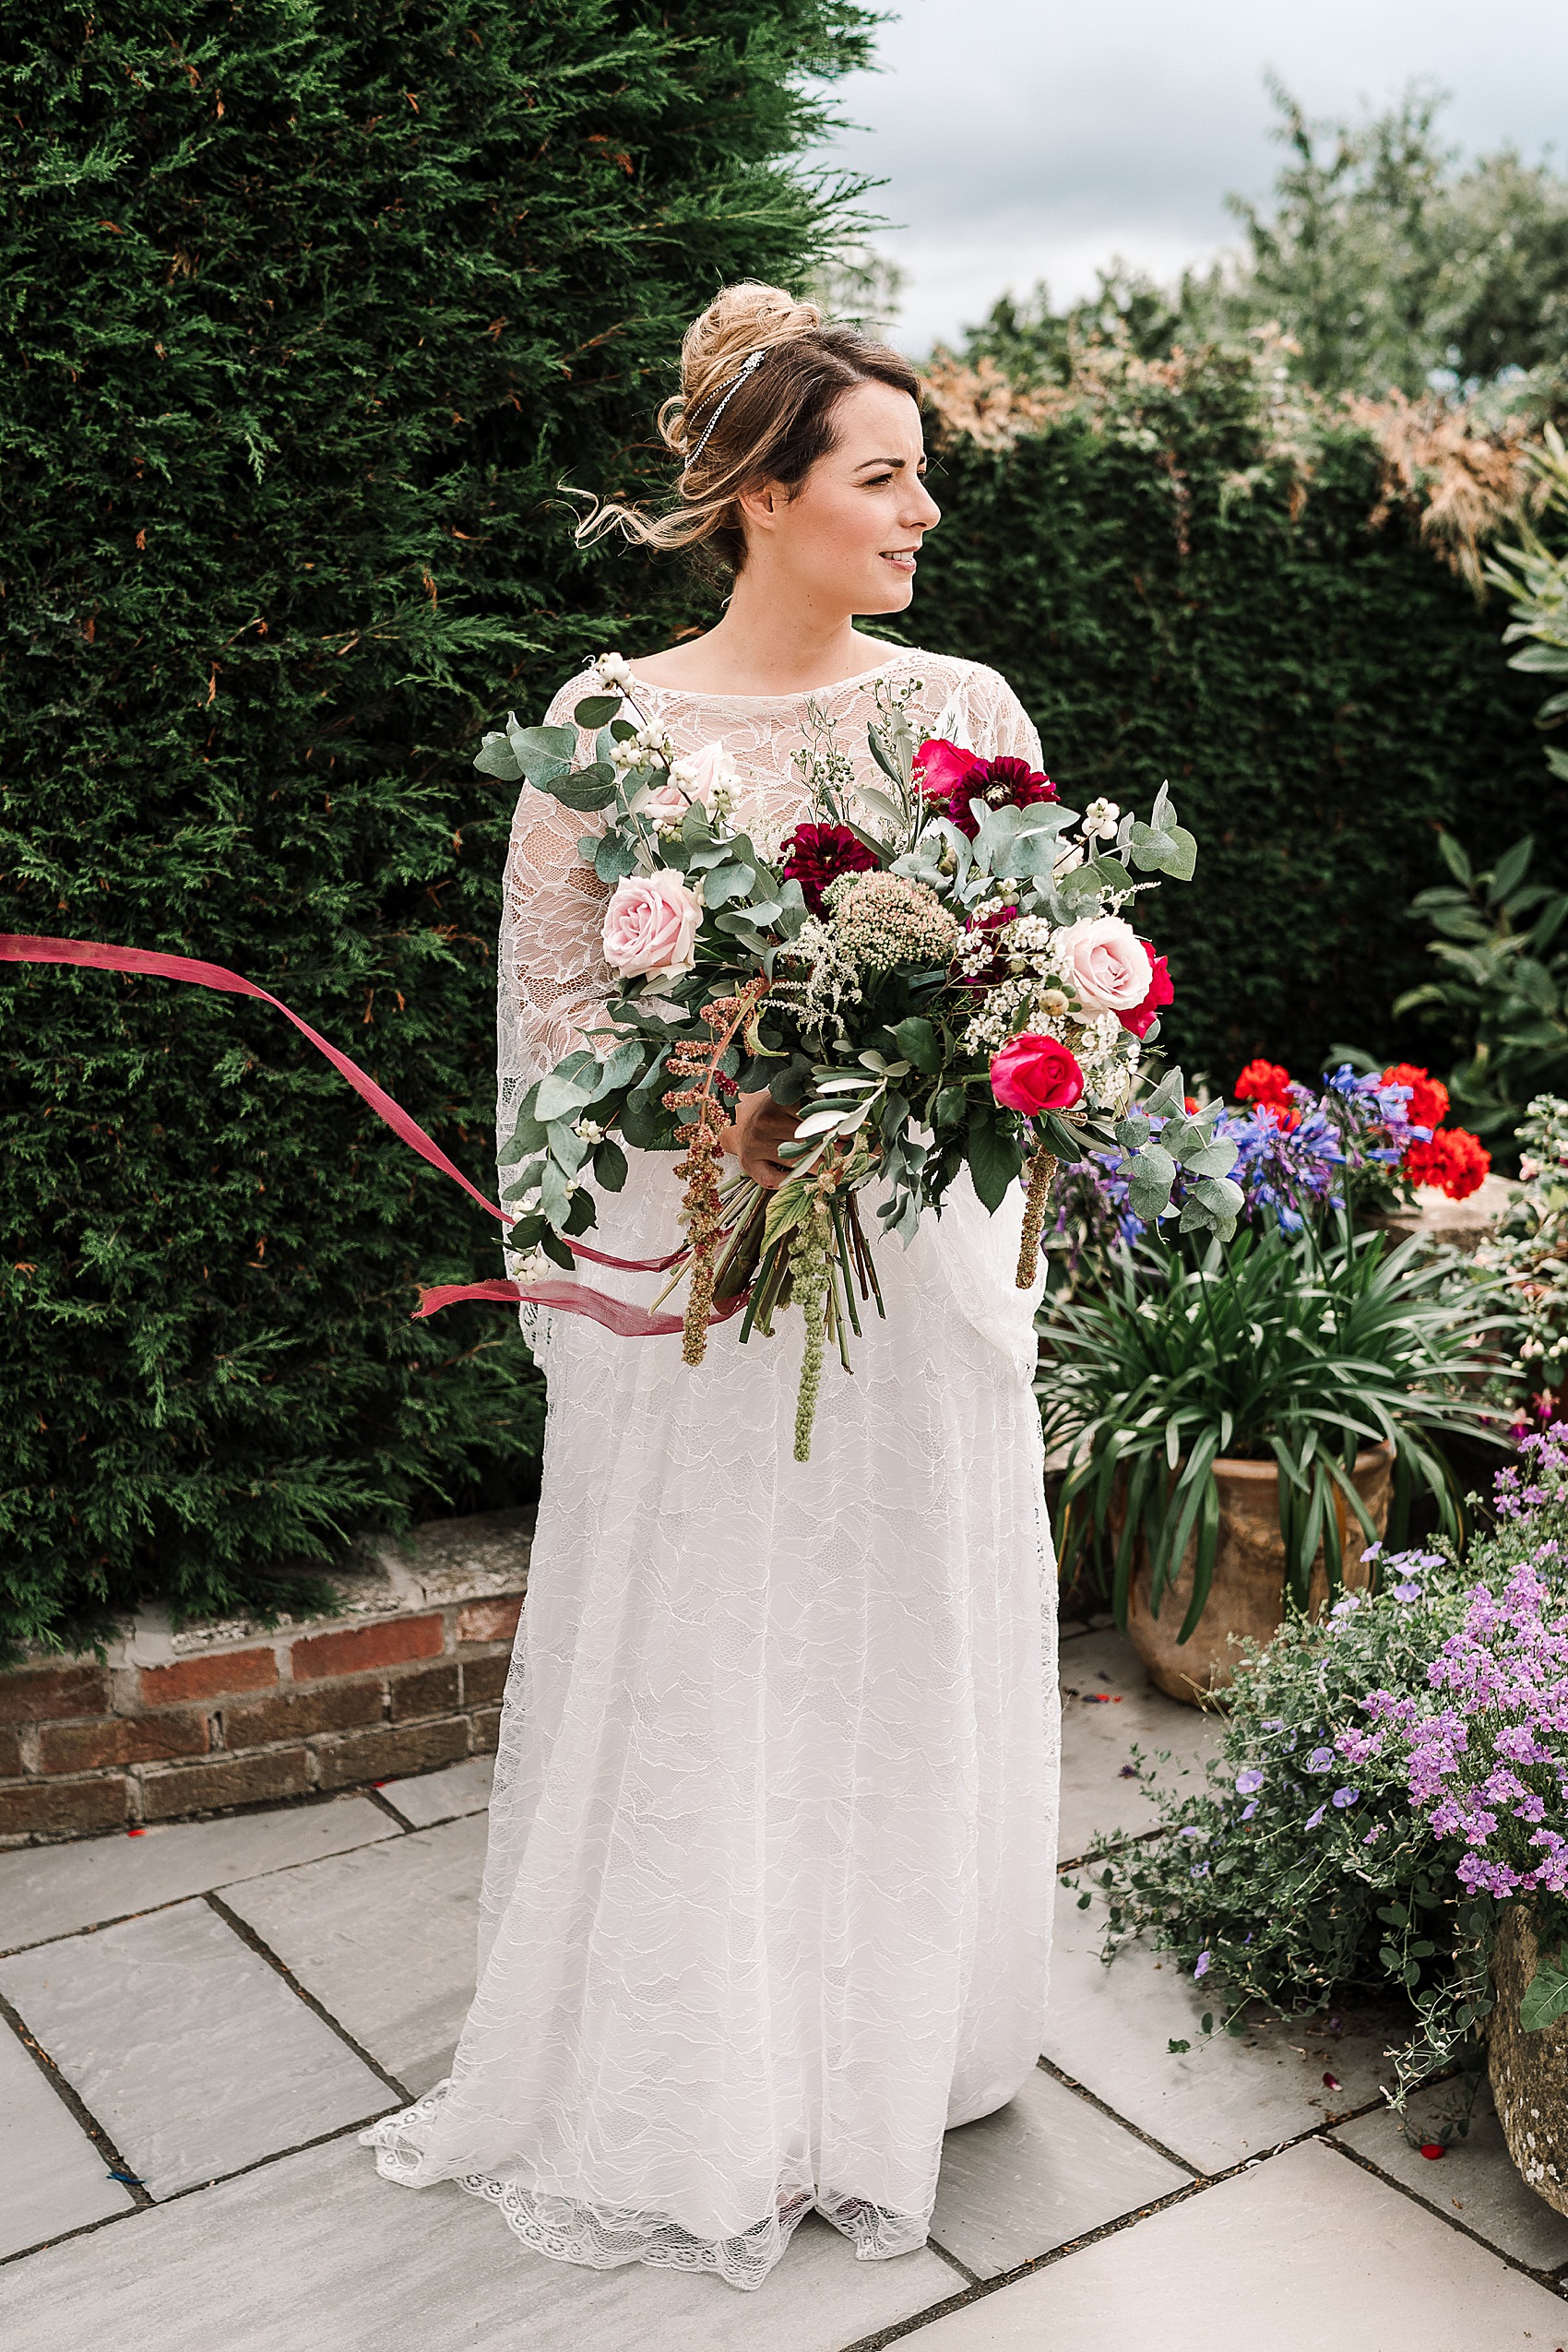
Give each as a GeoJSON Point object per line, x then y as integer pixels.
{"type": "Point", "coordinates": [602, 2237]}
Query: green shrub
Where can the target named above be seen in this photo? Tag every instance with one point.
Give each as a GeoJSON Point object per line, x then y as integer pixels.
{"type": "Point", "coordinates": [307, 313]}
{"type": "Point", "coordinates": [1181, 569]}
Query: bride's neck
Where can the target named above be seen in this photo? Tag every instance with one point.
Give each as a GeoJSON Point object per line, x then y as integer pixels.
{"type": "Point", "coordinates": [766, 644]}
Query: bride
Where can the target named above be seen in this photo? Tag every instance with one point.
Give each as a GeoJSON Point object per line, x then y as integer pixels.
{"type": "Point", "coordinates": [767, 1903]}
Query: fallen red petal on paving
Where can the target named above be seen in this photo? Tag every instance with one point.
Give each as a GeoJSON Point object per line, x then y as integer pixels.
{"type": "Point", "coordinates": [1433, 2149]}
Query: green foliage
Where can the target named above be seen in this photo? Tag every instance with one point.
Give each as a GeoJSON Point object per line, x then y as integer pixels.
{"type": "Point", "coordinates": [1527, 1251]}
{"type": "Point", "coordinates": [1271, 1348]}
{"type": "Point", "coordinates": [1501, 1002]}
{"type": "Point", "coordinates": [1178, 569]}
{"type": "Point", "coordinates": [307, 314]}
{"type": "Point", "coordinates": [1535, 578]}
{"type": "Point", "coordinates": [1268, 1888]}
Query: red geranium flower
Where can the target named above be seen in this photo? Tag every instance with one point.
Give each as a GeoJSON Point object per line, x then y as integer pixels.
{"type": "Point", "coordinates": [950, 778]}
{"type": "Point", "coordinates": [1268, 1085]}
{"type": "Point", "coordinates": [1455, 1161]}
{"type": "Point", "coordinates": [1142, 1017]}
{"type": "Point", "coordinates": [818, 854]}
{"type": "Point", "coordinates": [1427, 1106]}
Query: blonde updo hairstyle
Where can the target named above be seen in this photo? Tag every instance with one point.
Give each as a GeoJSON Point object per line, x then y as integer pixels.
{"type": "Point", "coordinates": [734, 427]}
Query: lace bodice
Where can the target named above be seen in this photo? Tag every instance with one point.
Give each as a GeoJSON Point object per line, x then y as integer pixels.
{"type": "Point", "coordinates": [553, 979]}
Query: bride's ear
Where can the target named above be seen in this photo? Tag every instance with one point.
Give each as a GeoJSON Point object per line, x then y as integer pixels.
{"type": "Point", "coordinates": [761, 504]}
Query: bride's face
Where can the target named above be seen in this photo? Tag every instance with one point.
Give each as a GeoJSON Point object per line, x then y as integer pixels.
{"type": "Point", "coordinates": [849, 537]}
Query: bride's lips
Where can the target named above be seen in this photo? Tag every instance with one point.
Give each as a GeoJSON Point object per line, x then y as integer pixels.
{"type": "Point", "coordinates": [901, 558]}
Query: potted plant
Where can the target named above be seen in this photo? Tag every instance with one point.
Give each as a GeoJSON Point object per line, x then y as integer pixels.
{"type": "Point", "coordinates": [1239, 1428]}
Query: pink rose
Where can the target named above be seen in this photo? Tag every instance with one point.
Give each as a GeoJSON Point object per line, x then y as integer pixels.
{"type": "Point", "coordinates": [1034, 1073]}
{"type": "Point", "coordinates": [1107, 963]}
{"type": "Point", "coordinates": [941, 767]}
{"type": "Point", "coordinates": [1142, 1017]}
{"type": "Point", "coordinates": [650, 925]}
{"type": "Point", "coordinates": [694, 777]}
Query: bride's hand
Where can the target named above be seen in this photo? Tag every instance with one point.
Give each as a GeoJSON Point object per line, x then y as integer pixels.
{"type": "Point", "coordinates": [755, 1133]}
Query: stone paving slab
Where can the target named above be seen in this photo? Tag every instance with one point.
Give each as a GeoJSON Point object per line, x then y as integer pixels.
{"type": "Point", "coordinates": [54, 1889]}
{"type": "Point", "coordinates": [1477, 2181]}
{"type": "Point", "coordinates": [1107, 1701]}
{"type": "Point", "coordinates": [1047, 2169]}
{"type": "Point", "coordinates": [191, 2053]}
{"type": "Point", "coordinates": [442, 1796]}
{"type": "Point", "coordinates": [1222, 2101]}
{"type": "Point", "coordinates": [1306, 2253]}
{"type": "Point", "coordinates": [315, 2253]}
{"type": "Point", "coordinates": [51, 2177]}
{"type": "Point", "coordinates": [385, 1939]}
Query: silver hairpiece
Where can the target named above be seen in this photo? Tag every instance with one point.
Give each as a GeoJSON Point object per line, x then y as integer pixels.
{"type": "Point", "coordinates": [749, 366]}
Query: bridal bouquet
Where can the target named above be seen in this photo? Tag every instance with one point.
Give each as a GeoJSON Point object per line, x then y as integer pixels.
{"type": "Point", "coordinates": [935, 974]}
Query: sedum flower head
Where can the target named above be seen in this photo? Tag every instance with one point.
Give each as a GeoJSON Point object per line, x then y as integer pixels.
{"type": "Point", "coordinates": [881, 920]}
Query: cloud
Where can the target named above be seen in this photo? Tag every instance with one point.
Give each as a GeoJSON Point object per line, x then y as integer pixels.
{"type": "Point", "coordinates": [1024, 140]}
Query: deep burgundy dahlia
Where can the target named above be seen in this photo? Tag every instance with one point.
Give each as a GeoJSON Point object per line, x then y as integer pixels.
{"type": "Point", "coordinates": [817, 854]}
{"type": "Point", "coordinates": [1002, 783]}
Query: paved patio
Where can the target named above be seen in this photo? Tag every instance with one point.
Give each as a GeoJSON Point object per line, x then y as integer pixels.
{"type": "Point", "coordinates": [197, 2020]}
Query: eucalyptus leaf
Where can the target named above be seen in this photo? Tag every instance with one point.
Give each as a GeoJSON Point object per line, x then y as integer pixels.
{"type": "Point", "coordinates": [554, 1198]}
{"type": "Point", "coordinates": [559, 1097]}
{"type": "Point", "coordinates": [541, 752]}
{"type": "Point", "coordinates": [497, 757]}
{"type": "Point", "coordinates": [567, 1148]}
{"type": "Point", "coordinates": [597, 710]}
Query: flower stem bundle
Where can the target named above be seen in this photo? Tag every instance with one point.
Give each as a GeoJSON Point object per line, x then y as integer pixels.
{"type": "Point", "coordinates": [1042, 1169]}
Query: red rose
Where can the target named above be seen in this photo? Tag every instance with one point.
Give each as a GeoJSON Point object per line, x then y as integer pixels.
{"type": "Point", "coordinates": [1034, 1074]}
{"type": "Point", "coordinates": [1427, 1106]}
{"type": "Point", "coordinates": [818, 854]}
{"type": "Point", "coordinates": [939, 765]}
{"type": "Point", "coordinates": [1455, 1161]}
{"type": "Point", "coordinates": [1142, 1017]}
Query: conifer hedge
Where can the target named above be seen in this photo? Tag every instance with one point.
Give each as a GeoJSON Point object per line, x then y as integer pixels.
{"type": "Point", "coordinates": [1187, 572]}
{"type": "Point", "coordinates": [307, 310]}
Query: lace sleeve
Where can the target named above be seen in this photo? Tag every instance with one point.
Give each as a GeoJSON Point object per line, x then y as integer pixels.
{"type": "Point", "coordinates": [553, 979]}
{"type": "Point", "coordinates": [1000, 727]}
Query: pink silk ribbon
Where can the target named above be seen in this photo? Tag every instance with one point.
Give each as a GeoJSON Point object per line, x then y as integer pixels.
{"type": "Point", "coordinates": [573, 1298]}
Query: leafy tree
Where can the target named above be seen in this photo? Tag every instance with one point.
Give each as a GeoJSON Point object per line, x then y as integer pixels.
{"type": "Point", "coordinates": [1387, 260]}
{"type": "Point", "coordinates": [307, 313]}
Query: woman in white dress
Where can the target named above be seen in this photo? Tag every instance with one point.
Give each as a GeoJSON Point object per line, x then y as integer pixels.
{"type": "Point", "coordinates": [767, 1898]}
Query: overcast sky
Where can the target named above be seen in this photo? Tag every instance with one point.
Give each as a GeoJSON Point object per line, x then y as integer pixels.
{"type": "Point", "coordinates": [1034, 138]}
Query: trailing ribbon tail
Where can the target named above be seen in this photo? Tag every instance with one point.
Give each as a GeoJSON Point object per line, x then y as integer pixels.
{"type": "Point", "coordinates": [16, 948]}
{"type": "Point", "coordinates": [574, 1298]}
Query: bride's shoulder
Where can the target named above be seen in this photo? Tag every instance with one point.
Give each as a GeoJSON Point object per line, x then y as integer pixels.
{"type": "Point", "coordinates": [565, 700]}
{"type": "Point", "coordinates": [952, 675]}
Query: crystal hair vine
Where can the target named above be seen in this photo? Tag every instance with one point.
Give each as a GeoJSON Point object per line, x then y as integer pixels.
{"type": "Point", "coordinates": [749, 366]}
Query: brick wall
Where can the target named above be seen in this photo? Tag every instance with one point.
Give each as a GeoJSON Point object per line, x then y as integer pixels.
{"type": "Point", "coordinates": [258, 1718]}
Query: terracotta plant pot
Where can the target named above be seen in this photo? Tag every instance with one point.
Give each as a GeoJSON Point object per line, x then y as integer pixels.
{"type": "Point", "coordinates": [1247, 1595]}
{"type": "Point", "coordinates": [1530, 2071]}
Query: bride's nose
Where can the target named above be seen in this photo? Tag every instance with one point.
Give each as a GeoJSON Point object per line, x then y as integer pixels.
{"type": "Point", "coordinates": [921, 512]}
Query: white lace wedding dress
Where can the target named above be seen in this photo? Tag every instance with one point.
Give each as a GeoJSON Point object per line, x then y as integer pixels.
{"type": "Point", "coordinates": [768, 1897]}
